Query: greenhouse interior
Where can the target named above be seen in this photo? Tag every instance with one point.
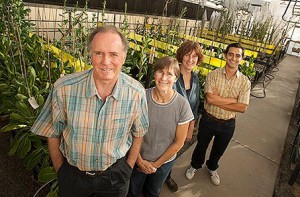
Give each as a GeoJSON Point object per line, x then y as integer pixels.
{"type": "Point", "coordinates": [44, 43]}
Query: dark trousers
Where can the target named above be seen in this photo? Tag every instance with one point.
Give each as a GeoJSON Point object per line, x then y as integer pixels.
{"type": "Point", "coordinates": [114, 181]}
{"type": "Point", "coordinates": [208, 128]}
{"type": "Point", "coordinates": [151, 184]}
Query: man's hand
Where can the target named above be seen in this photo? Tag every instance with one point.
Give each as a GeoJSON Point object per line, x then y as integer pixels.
{"type": "Point", "coordinates": [215, 91]}
{"type": "Point", "coordinates": [55, 154]}
{"type": "Point", "coordinates": [134, 150]}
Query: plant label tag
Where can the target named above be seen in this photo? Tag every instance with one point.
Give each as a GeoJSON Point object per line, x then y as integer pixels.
{"type": "Point", "coordinates": [44, 62]}
{"type": "Point", "coordinates": [33, 102]}
{"type": "Point", "coordinates": [151, 58]}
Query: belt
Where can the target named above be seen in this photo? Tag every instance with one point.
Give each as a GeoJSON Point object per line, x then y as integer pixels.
{"type": "Point", "coordinates": [211, 117]}
{"type": "Point", "coordinates": [93, 173]}
{"type": "Point", "coordinates": [100, 172]}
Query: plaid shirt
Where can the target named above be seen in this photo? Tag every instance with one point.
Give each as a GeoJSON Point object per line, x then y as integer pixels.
{"type": "Point", "coordinates": [93, 134]}
{"type": "Point", "coordinates": [237, 87]}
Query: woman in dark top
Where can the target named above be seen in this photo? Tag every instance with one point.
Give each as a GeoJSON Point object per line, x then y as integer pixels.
{"type": "Point", "coordinates": [189, 54]}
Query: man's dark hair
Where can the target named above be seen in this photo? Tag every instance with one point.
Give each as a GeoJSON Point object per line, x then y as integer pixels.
{"type": "Point", "coordinates": [234, 45]}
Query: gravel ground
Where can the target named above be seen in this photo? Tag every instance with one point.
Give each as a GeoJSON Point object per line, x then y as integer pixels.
{"type": "Point", "coordinates": [15, 180]}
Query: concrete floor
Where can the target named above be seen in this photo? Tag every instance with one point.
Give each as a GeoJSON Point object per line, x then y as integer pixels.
{"type": "Point", "coordinates": [250, 164]}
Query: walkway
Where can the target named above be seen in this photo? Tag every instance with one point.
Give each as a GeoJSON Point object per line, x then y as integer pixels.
{"type": "Point", "coordinates": [250, 164]}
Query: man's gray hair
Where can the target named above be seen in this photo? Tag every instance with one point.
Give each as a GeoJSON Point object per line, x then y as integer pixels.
{"type": "Point", "coordinates": [107, 28]}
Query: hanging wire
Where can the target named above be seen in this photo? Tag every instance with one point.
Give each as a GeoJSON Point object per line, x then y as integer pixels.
{"type": "Point", "coordinates": [36, 193]}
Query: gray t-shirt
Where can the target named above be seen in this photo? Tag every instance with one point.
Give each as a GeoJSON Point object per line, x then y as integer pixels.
{"type": "Point", "coordinates": [163, 119]}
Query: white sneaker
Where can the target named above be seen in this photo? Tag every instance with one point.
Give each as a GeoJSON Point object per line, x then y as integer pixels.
{"type": "Point", "coordinates": [190, 173]}
{"type": "Point", "coordinates": [214, 177]}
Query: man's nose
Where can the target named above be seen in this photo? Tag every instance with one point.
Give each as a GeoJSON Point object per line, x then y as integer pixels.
{"type": "Point", "coordinates": [106, 59]}
{"type": "Point", "coordinates": [234, 57]}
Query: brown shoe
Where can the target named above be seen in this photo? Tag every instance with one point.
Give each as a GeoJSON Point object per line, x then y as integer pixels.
{"type": "Point", "coordinates": [172, 185]}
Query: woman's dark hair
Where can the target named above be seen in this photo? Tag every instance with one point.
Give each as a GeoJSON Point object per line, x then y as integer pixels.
{"type": "Point", "coordinates": [186, 48]}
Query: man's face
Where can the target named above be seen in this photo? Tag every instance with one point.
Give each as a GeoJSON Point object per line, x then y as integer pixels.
{"type": "Point", "coordinates": [234, 57]}
{"type": "Point", "coordinates": [107, 56]}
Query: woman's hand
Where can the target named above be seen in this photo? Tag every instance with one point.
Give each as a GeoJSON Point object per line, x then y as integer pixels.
{"type": "Point", "coordinates": [189, 136]}
{"type": "Point", "coordinates": [145, 166]}
{"type": "Point", "coordinates": [190, 132]}
{"type": "Point", "coordinates": [155, 165]}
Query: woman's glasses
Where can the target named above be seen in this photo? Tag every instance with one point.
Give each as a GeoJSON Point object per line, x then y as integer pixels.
{"type": "Point", "coordinates": [168, 75]}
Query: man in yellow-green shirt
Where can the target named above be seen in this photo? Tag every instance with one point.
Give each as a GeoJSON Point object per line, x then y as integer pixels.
{"type": "Point", "coordinates": [227, 91]}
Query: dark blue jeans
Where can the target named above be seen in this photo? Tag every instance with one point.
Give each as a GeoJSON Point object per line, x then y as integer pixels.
{"type": "Point", "coordinates": [112, 182]}
{"type": "Point", "coordinates": [209, 128]}
{"type": "Point", "coordinates": [150, 184]}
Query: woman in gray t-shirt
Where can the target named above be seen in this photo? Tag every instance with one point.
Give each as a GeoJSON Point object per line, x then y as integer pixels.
{"type": "Point", "coordinates": [169, 117]}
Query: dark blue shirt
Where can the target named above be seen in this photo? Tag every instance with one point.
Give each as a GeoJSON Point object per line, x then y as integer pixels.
{"type": "Point", "coordinates": [194, 94]}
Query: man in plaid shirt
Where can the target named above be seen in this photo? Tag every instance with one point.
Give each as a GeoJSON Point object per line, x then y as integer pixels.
{"type": "Point", "coordinates": [95, 121]}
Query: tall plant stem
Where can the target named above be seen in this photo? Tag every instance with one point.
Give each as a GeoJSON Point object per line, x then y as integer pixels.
{"type": "Point", "coordinates": [15, 27]}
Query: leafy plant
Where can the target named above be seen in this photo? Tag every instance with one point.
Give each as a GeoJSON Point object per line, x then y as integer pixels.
{"type": "Point", "coordinates": [227, 19]}
{"type": "Point", "coordinates": [247, 71]}
{"type": "Point", "coordinates": [27, 67]}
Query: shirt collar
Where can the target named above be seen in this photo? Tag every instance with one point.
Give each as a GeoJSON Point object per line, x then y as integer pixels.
{"type": "Point", "coordinates": [90, 85]}
{"type": "Point", "coordinates": [237, 73]}
{"type": "Point", "coordinates": [117, 91]}
{"type": "Point", "coordinates": [91, 89]}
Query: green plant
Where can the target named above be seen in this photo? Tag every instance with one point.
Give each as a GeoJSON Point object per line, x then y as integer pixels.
{"type": "Point", "coordinates": [103, 12]}
{"type": "Point", "coordinates": [247, 70]}
{"type": "Point", "coordinates": [75, 35]}
{"type": "Point", "coordinates": [172, 31]}
{"type": "Point", "coordinates": [202, 79]}
{"type": "Point", "coordinates": [125, 25]}
{"type": "Point", "coordinates": [227, 21]}
{"type": "Point", "coordinates": [27, 68]}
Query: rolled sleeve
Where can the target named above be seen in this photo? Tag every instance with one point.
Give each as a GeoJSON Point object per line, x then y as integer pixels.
{"type": "Point", "coordinates": [244, 95]}
{"type": "Point", "coordinates": [209, 84]}
{"type": "Point", "coordinates": [50, 123]}
{"type": "Point", "coordinates": [141, 122]}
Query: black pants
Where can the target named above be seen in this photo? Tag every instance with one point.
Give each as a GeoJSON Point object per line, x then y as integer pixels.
{"type": "Point", "coordinates": [209, 128]}
{"type": "Point", "coordinates": [112, 182]}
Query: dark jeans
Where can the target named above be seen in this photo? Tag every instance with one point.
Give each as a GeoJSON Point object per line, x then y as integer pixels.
{"type": "Point", "coordinates": [150, 184]}
{"type": "Point", "coordinates": [112, 182]}
{"type": "Point", "coordinates": [208, 128]}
